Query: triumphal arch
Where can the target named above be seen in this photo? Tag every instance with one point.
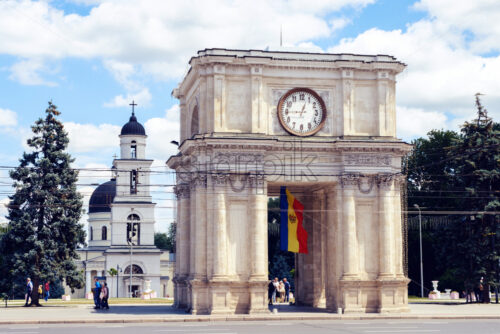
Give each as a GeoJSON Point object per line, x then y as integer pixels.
{"type": "Point", "coordinates": [324, 125]}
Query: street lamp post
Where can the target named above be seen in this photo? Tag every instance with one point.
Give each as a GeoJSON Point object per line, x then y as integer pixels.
{"type": "Point", "coordinates": [421, 258]}
{"type": "Point", "coordinates": [118, 269]}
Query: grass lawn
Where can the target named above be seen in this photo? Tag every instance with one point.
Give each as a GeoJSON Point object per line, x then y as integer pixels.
{"type": "Point", "coordinates": [82, 301]}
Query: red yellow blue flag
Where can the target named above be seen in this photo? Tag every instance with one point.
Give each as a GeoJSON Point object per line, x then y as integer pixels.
{"type": "Point", "coordinates": [293, 236]}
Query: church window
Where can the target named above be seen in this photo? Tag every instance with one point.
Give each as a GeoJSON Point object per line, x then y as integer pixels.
{"type": "Point", "coordinates": [134, 181]}
{"type": "Point", "coordinates": [133, 150]}
{"type": "Point", "coordinates": [135, 270]}
{"type": "Point", "coordinates": [104, 233]}
{"type": "Point", "coordinates": [133, 229]}
{"type": "Point", "coordinates": [91, 233]}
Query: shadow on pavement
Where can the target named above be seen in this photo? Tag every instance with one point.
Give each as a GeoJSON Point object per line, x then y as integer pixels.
{"type": "Point", "coordinates": [140, 309]}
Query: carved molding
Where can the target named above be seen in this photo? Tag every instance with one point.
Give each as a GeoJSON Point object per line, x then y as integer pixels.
{"type": "Point", "coordinates": [367, 159]}
{"type": "Point", "coordinates": [199, 181]}
{"type": "Point", "coordinates": [347, 180]}
{"type": "Point", "coordinates": [387, 180]}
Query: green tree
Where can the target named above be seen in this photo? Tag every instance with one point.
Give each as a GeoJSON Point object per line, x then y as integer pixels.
{"type": "Point", "coordinates": [167, 240]}
{"type": "Point", "coordinates": [44, 212]}
{"type": "Point", "coordinates": [112, 272]}
{"type": "Point", "coordinates": [428, 169]}
{"type": "Point", "coordinates": [161, 240]}
{"type": "Point", "coordinates": [476, 154]}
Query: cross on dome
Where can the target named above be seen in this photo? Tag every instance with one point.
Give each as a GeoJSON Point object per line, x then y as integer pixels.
{"type": "Point", "coordinates": [133, 104]}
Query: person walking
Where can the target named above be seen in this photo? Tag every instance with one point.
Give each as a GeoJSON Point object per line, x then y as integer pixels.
{"type": "Point", "coordinates": [276, 287]}
{"type": "Point", "coordinates": [104, 296]}
{"type": "Point", "coordinates": [270, 289]}
{"type": "Point", "coordinates": [287, 290]}
{"type": "Point", "coordinates": [97, 293]}
{"type": "Point", "coordinates": [40, 292]}
{"type": "Point", "coordinates": [281, 292]}
{"type": "Point", "coordinates": [47, 290]}
{"type": "Point", "coordinates": [29, 290]}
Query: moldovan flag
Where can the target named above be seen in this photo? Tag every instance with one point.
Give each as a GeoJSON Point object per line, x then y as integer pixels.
{"type": "Point", "coordinates": [293, 236]}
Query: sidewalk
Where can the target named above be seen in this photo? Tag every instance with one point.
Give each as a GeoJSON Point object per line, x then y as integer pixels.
{"type": "Point", "coordinates": [167, 313]}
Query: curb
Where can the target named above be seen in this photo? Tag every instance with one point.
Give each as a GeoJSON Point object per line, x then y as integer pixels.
{"type": "Point", "coordinates": [246, 318]}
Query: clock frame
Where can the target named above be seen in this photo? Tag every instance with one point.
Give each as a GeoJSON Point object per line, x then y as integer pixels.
{"type": "Point", "coordinates": [284, 124]}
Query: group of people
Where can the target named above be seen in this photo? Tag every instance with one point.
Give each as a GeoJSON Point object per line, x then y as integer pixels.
{"type": "Point", "coordinates": [278, 291]}
{"type": "Point", "coordinates": [101, 295]}
{"type": "Point", "coordinates": [43, 291]}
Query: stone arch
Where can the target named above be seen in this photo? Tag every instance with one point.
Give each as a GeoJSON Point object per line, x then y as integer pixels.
{"type": "Point", "coordinates": [195, 121]}
{"type": "Point", "coordinates": [136, 270]}
{"type": "Point", "coordinates": [138, 263]}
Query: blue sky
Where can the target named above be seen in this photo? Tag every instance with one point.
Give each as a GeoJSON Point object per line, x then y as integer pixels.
{"type": "Point", "coordinates": [92, 57]}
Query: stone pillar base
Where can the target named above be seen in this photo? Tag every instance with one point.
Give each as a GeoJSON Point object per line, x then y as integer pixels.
{"type": "Point", "coordinates": [387, 295]}
{"type": "Point", "coordinates": [219, 295]}
{"type": "Point", "coordinates": [198, 290]}
{"type": "Point", "coordinates": [258, 297]}
{"type": "Point", "coordinates": [393, 295]}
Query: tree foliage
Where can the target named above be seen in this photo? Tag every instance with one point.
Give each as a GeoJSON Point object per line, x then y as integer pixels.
{"type": "Point", "coordinates": [44, 212]}
{"type": "Point", "coordinates": [167, 240]}
{"type": "Point", "coordinates": [456, 176]}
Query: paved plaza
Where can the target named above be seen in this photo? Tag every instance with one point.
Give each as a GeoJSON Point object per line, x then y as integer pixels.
{"type": "Point", "coordinates": [167, 313]}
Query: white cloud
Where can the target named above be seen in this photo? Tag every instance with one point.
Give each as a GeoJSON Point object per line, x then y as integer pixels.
{"type": "Point", "coordinates": [443, 72]}
{"type": "Point", "coordinates": [157, 37]}
{"type": "Point", "coordinates": [8, 117]}
{"type": "Point", "coordinates": [414, 122]}
{"type": "Point", "coordinates": [142, 98]}
{"type": "Point", "coordinates": [160, 132]}
{"type": "Point", "coordinates": [479, 17]}
{"type": "Point", "coordinates": [29, 72]}
{"type": "Point", "coordinates": [92, 138]}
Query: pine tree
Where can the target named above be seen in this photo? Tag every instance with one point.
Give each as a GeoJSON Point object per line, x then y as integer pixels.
{"type": "Point", "coordinates": [477, 156]}
{"type": "Point", "coordinates": [44, 212]}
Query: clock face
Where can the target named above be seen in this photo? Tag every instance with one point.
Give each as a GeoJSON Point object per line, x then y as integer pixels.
{"type": "Point", "coordinates": [301, 112]}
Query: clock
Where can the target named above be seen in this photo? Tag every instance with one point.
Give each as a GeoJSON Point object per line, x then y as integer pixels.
{"type": "Point", "coordinates": [301, 112]}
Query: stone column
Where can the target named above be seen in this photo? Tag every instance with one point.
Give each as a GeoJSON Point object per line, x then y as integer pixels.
{"type": "Point", "coordinates": [88, 282]}
{"type": "Point", "coordinates": [351, 265]}
{"type": "Point", "coordinates": [220, 231]}
{"type": "Point", "coordinates": [398, 232]}
{"type": "Point", "coordinates": [386, 235]}
{"type": "Point", "coordinates": [200, 228]}
{"type": "Point", "coordinates": [258, 273]}
{"type": "Point", "coordinates": [258, 203]}
{"type": "Point", "coordinates": [318, 227]}
{"type": "Point", "coordinates": [331, 236]}
{"type": "Point", "coordinates": [182, 251]}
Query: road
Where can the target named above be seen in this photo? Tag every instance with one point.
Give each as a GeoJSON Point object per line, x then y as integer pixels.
{"type": "Point", "coordinates": [262, 327]}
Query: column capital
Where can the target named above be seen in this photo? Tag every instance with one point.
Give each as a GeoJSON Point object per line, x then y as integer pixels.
{"type": "Point", "coordinates": [182, 190]}
{"type": "Point", "coordinates": [199, 181]}
{"type": "Point", "coordinates": [387, 180]}
{"type": "Point", "coordinates": [349, 180]}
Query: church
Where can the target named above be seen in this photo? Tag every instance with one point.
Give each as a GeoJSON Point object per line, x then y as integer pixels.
{"type": "Point", "coordinates": [121, 227]}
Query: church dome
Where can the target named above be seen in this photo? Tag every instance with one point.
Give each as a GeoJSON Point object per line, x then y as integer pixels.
{"type": "Point", "coordinates": [133, 127]}
{"type": "Point", "coordinates": [102, 197]}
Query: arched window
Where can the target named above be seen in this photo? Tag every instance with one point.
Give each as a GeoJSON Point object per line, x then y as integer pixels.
{"type": "Point", "coordinates": [195, 128]}
{"type": "Point", "coordinates": [91, 233]}
{"type": "Point", "coordinates": [133, 229]}
{"type": "Point", "coordinates": [134, 181]}
{"type": "Point", "coordinates": [133, 150]}
{"type": "Point", "coordinates": [104, 233]}
{"type": "Point", "coordinates": [136, 270]}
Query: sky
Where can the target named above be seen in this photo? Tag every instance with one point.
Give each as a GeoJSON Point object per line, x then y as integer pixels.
{"type": "Point", "coordinates": [93, 57]}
